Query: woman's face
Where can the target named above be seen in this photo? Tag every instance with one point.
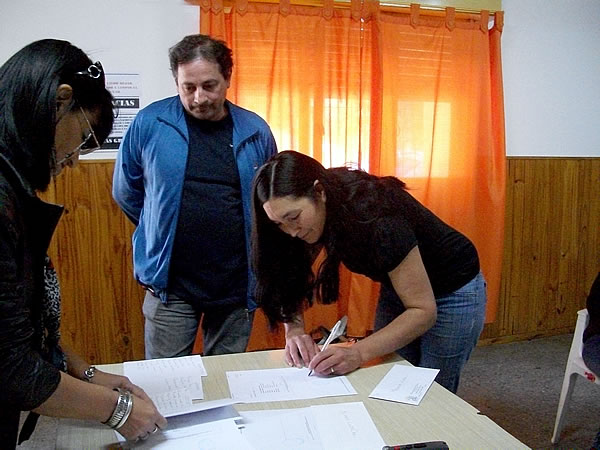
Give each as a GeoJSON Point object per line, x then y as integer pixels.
{"type": "Point", "coordinates": [302, 217]}
{"type": "Point", "coordinates": [74, 130]}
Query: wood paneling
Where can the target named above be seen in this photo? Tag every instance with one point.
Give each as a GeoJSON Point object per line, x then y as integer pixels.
{"type": "Point", "coordinates": [552, 254]}
{"type": "Point", "coordinates": [101, 303]}
{"type": "Point", "coordinates": [552, 246]}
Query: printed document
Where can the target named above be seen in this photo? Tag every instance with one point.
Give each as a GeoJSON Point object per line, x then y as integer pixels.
{"type": "Point", "coordinates": [405, 384]}
{"type": "Point", "coordinates": [269, 385]}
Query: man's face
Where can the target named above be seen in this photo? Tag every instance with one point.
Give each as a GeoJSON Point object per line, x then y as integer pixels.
{"type": "Point", "coordinates": [202, 89]}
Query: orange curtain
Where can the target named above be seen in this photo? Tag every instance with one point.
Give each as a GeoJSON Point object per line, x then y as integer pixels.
{"type": "Point", "coordinates": [443, 124]}
{"type": "Point", "coordinates": [394, 93]}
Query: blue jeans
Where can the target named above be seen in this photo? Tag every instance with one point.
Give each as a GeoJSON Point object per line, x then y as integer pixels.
{"type": "Point", "coordinates": [170, 329]}
{"type": "Point", "coordinates": [448, 344]}
{"type": "Point", "coordinates": [591, 353]}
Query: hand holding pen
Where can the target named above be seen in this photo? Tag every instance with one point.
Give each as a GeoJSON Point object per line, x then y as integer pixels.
{"type": "Point", "coordinates": [336, 332]}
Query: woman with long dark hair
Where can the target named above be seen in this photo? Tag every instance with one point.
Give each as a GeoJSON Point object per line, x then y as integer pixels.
{"type": "Point", "coordinates": [54, 106]}
{"type": "Point", "coordinates": [432, 302]}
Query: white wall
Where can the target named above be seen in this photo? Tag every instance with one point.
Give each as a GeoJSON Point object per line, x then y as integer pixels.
{"type": "Point", "coordinates": [551, 58]}
{"type": "Point", "coordinates": [127, 36]}
{"type": "Point", "coordinates": [551, 71]}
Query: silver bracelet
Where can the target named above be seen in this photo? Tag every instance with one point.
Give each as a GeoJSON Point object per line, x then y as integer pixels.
{"type": "Point", "coordinates": [127, 412]}
{"type": "Point", "coordinates": [120, 409]}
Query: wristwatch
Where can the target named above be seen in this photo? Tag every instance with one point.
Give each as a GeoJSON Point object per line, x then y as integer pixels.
{"type": "Point", "coordinates": [89, 373]}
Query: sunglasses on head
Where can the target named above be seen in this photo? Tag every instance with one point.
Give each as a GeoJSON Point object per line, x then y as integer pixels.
{"type": "Point", "coordinates": [95, 71]}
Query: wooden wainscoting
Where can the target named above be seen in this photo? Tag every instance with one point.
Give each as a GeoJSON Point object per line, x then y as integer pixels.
{"type": "Point", "coordinates": [551, 248]}
{"type": "Point", "coordinates": [101, 304]}
{"type": "Point", "coordinates": [552, 254]}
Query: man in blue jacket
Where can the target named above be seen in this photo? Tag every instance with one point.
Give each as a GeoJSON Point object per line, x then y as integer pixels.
{"type": "Point", "coordinates": [183, 176]}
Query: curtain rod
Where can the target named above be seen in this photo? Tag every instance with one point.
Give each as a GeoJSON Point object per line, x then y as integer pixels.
{"type": "Point", "coordinates": [386, 5]}
{"type": "Point", "coordinates": [393, 4]}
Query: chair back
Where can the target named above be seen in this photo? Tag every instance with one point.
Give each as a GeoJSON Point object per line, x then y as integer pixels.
{"type": "Point", "coordinates": [583, 318]}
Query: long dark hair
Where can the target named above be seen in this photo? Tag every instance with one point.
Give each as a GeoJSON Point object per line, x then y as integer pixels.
{"type": "Point", "coordinates": [286, 283]}
{"type": "Point", "coordinates": [28, 108]}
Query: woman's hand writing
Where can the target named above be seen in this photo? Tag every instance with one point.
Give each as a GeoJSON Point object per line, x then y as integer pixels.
{"type": "Point", "coordinates": [336, 359]}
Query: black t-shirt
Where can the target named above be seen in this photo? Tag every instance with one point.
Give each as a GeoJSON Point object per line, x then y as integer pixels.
{"type": "Point", "coordinates": [449, 257]}
{"type": "Point", "coordinates": [209, 263]}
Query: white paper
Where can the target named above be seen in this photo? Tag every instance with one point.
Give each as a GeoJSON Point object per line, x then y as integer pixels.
{"type": "Point", "coordinates": [170, 403]}
{"type": "Point", "coordinates": [282, 429]}
{"type": "Point", "coordinates": [172, 383]}
{"type": "Point", "coordinates": [405, 384]}
{"type": "Point", "coordinates": [220, 435]}
{"type": "Point", "coordinates": [346, 426]}
{"type": "Point", "coordinates": [184, 425]}
{"type": "Point", "coordinates": [268, 385]}
{"type": "Point", "coordinates": [209, 411]}
{"type": "Point", "coordinates": [126, 91]}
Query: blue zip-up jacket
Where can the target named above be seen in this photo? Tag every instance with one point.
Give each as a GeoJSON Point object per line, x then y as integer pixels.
{"type": "Point", "coordinates": [149, 175]}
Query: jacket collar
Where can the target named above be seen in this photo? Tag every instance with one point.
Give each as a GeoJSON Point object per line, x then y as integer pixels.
{"type": "Point", "coordinates": [44, 216]}
{"type": "Point", "coordinates": [14, 177]}
{"type": "Point", "coordinates": [174, 115]}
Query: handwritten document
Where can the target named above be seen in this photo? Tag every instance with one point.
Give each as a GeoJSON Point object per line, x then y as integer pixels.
{"type": "Point", "coordinates": [172, 383]}
{"type": "Point", "coordinates": [405, 384]}
{"type": "Point", "coordinates": [319, 427]}
{"type": "Point", "coordinates": [268, 385]}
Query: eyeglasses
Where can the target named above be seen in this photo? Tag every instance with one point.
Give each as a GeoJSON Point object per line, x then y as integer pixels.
{"type": "Point", "coordinates": [89, 144]}
{"type": "Point", "coordinates": [94, 71]}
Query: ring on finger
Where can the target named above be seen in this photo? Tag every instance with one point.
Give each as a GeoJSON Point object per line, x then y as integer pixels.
{"type": "Point", "coordinates": [155, 429]}
{"type": "Point", "coordinates": [332, 369]}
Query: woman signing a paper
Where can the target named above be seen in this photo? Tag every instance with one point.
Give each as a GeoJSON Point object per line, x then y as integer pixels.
{"type": "Point", "coordinates": [432, 302]}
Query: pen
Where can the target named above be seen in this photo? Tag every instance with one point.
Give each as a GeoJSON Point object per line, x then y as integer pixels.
{"type": "Point", "coordinates": [331, 337]}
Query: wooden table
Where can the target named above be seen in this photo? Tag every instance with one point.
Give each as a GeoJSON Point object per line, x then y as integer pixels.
{"type": "Point", "coordinates": [440, 416]}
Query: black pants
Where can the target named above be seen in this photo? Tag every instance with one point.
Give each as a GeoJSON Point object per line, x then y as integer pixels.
{"type": "Point", "coordinates": [9, 427]}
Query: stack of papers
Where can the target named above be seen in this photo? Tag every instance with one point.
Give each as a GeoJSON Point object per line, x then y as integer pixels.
{"type": "Point", "coordinates": [172, 383]}
{"type": "Point", "coordinates": [322, 427]}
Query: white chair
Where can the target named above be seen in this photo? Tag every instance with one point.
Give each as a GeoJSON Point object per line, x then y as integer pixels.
{"type": "Point", "coordinates": [575, 366]}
